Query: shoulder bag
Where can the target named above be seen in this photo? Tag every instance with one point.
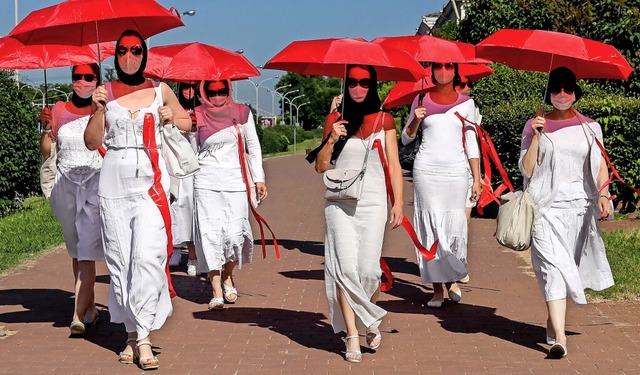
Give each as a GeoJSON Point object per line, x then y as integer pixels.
{"type": "Point", "coordinates": [177, 152]}
{"type": "Point", "coordinates": [515, 220]}
{"type": "Point", "coordinates": [48, 171]}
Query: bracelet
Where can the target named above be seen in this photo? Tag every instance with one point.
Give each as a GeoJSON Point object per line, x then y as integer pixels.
{"type": "Point", "coordinates": [604, 196]}
{"type": "Point", "coordinates": [45, 131]}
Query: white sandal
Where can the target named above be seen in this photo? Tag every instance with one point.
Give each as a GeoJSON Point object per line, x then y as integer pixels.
{"type": "Point", "coordinates": [229, 291]}
{"type": "Point", "coordinates": [356, 353]}
{"type": "Point", "coordinates": [372, 336]}
{"type": "Point", "coordinates": [216, 303]}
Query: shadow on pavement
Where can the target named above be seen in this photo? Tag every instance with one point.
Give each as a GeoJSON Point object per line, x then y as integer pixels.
{"type": "Point", "coordinates": [304, 327]}
{"type": "Point", "coordinates": [304, 274]}
{"type": "Point", "coordinates": [40, 305]}
{"type": "Point", "coordinates": [307, 247]}
{"type": "Point", "coordinates": [193, 289]}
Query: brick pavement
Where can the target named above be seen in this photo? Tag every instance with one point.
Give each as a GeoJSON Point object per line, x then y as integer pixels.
{"type": "Point", "coordinates": [279, 324]}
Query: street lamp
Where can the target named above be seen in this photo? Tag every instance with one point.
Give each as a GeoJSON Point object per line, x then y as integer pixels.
{"type": "Point", "coordinates": [257, 86]}
{"type": "Point", "coordinates": [190, 13]}
{"type": "Point", "coordinates": [284, 96]}
{"type": "Point", "coordinates": [298, 108]}
{"type": "Point", "coordinates": [290, 111]}
{"type": "Point", "coordinates": [273, 97]}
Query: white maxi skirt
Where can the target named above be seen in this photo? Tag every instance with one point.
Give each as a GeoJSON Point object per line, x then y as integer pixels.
{"type": "Point", "coordinates": [439, 214]}
{"type": "Point", "coordinates": [182, 211]}
{"type": "Point", "coordinates": [136, 253]}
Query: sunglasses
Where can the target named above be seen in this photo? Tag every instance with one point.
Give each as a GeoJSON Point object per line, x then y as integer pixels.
{"type": "Point", "coordinates": [221, 92]}
{"type": "Point", "coordinates": [466, 84]}
{"type": "Point", "coordinates": [87, 77]}
{"type": "Point", "coordinates": [557, 90]}
{"type": "Point", "coordinates": [448, 66]}
{"type": "Point", "coordinates": [135, 50]}
{"type": "Point", "coordinates": [365, 83]}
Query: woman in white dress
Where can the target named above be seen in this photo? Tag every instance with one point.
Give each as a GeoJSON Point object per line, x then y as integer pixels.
{"type": "Point", "coordinates": [136, 224]}
{"type": "Point", "coordinates": [182, 189]}
{"type": "Point", "coordinates": [447, 155]}
{"type": "Point", "coordinates": [565, 171]}
{"type": "Point", "coordinates": [223, 235]}
{"type": "Point", "coordinates": [74, 197]}
{"type": "Point", "coordinates": [355, 229]}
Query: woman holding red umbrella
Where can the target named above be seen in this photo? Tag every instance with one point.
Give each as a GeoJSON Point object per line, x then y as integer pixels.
{"type": "Point", "coordinates": [355, 228]}
{"type": "Point", "coordinates": [566, 176]}
{"type": "Point", "coordinates": [74, 196]}
{"type": "Point", "coordinates": [222, 229]}
{"type": "Point", "coordinates": [448, 153]}
{"type": "Point", "coordinates": [127, 117]}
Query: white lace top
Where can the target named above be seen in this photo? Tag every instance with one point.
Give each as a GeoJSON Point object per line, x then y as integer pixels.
{"type": "Point", "coordinates": [74, 160]}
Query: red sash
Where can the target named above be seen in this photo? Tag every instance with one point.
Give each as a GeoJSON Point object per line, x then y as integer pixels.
{"type": "Point", "coordinates": [406, 224]}
{"type": "Point", "coordinates": [156, 191]}
{"type": "Point", "coordinates": [259, 218]}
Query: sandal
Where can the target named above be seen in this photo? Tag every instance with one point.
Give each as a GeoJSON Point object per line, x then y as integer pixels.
{"type": "Point", "coordinates": [91, 319]}
{"type": "Point", "coordinates": [147, 363]}
{"type": "Point", "coordinates": [374, 339]}
{"type": "Point", "coordinates": [77, 328]}
{"type": "Point", "coordinates": [353, 356]}
{"type": "Point", "coordinates": [128, 358]}
{"type": "Point", "coordinates": [230, 293]}
{"type": "Point", "coordinates": [216, 303]}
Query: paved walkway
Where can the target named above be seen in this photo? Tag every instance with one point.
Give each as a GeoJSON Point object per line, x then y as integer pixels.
{"type": "Point", "coordinates": [279, 324]}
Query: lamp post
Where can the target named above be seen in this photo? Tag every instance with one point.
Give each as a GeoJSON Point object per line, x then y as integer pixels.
{"type": "Point", "coordinates": [257, 86]}
{"type": "Point", "coordinates": [15, 3]}
{"type": "Point", "coordinates": [290, 111]}
{"type": "Point", "coordinates": [190, 13]}
{"type": "Point", "coordinates": [273, 97]}
{"type": "Point", "coordinates": [297, 109]}
{"type": "Point", "coordinates": [284, 96]}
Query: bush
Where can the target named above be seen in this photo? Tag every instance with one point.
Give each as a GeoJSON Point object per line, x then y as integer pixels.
{"type": "Point", "coordinates": [19, 142]}
{"type": "Point", "coordinates": [273, 142]}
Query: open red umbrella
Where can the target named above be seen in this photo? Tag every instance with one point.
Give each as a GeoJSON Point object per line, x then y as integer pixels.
{"type": "Point", "coordinates": [197, 61]}
{"type": "Point", "coordinates": [330, 57]}
{"type": "Point", "coordinates": [430, 48]}
{"type": "Point", "coordinates": [543, 51]}
{"type": "Point", "coordinates": [15, 55]}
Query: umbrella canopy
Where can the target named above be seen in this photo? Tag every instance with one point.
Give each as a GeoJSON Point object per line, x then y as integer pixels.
{"type": "Point", "coordinates": [82, 22]}
{"type": "Point", "coordinates": [403, 93]}
{"type": "Point", "coordinates": [197, 61]}
{"type": "Point", "coordinates": [543, 51]}
{"type": "Point", "coordinates": [15, 55]}
{"type": "Point", "coordinates": [330, 57]}
{"type": "Point", "coordinates": [430, 48]}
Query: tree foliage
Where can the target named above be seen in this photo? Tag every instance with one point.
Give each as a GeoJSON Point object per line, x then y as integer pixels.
{"type": "Point", "coordinates": [19, 141]}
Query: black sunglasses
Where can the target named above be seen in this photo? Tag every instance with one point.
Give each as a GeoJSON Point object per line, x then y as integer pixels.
{"type": "Point", "coordinates": [135, 50]}
{"type": "Point", "coordinates": [463, 85]}
{"type": "Point", "coordinates": [448, 66]}
{"type": "Point", "coordinates": [556, 90]}
{"type": "Point", "coordinates": [87, 77]}
{"type": "Point", "coordinates": [221, 92]}
{"type": "Point", "coordinates": [365, 83]}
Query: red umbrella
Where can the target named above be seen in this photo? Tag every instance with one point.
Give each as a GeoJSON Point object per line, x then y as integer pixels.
{"type": "Point", "coordinates": [543, 51]}
{"type": "Point", "coordinates": [197, 61]}
{"type": "Point", "coordinates": [15, 55]}
{"type": "Point", "coordinates": [82, 22]}
{"type": "Point", "coordinates": [430, 48]}
{"type": "Point", "coordinates": [330, 57]}
{"type": "Point", "coordinates": [403, 93]}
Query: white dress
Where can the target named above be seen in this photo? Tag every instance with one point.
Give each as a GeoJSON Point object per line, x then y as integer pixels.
{"type": "Point", "coordinates": [74, 197]}
{"type": "Point", "coordinates": [134, 233]}
{"type": "Point", "coordinates": [222, 228]}
{"type": "Point", "coordinates": [182, 210]}
{"type": "Point", "coordinates": [353, 239]}
{"type": "Point", "coordinates": [567, 251]}
{"type": "Point", "coordinates": [441, 182]}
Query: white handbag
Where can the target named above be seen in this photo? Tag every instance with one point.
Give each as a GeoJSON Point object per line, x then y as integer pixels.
{"type": "Point", "coordinates": [515, 220]}
{"type": "Point", "coordinates": [343, 184]}
{"type": "Point", "coordinates": [48, 171]}
{"type": "Point", "coordinates": [178, 154]}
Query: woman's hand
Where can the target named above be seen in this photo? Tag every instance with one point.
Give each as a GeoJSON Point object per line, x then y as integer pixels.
{"type": "Point", "coordinates": [261, 189]}
{"type": "Point", "coordinates": [420, 113]}
{"type": "Point", "coordinates": [538, 125]}
{"type": "Point", "coordinates": [99, 97]}
{"type": "Point", "coordinates": [338, 130]}
{"type": "Point", "coordinates": [605, 207]}
{"type": "Point", "coordinates": [166, 115]}
{"type": "Point", "coordinates": [476, 190]}
{"type": "Point", "coordinates": [396, 216]}
{"type": "Point", "coordinates": [45, 118]}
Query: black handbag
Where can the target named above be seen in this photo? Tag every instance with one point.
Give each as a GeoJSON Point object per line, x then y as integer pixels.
{"type": "Point", "coordinates": [407, 154]}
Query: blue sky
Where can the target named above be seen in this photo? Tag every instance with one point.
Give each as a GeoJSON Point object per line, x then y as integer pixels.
{"type": "Point", "coordinates": [263, 28]}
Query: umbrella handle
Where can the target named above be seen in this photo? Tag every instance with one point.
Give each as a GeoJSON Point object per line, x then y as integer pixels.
{"type": "Point", "coordinates": [99, 59]}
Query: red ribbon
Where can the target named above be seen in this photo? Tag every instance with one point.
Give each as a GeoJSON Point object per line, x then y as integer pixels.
{"type": "Point", "coordinates": [614, 172]}
{"type": "Point", "coordinates": [489, 154]}
{"type": "Point", "coordinates": [259, 219]}
{"type": "Point", "coordinates": [406, 224]}
{"type": "Point", "coordinates": [156, 191]}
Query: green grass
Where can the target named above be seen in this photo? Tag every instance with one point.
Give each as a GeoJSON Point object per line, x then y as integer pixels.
{"type": "Point", "coordinates": [27, 233]}
{"type": "Point", "coordinates": [623, 252]}
{"type": "Point", "coordinates": [300, 148]}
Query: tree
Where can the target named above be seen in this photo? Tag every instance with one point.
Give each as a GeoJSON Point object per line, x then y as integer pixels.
{"type": "Point", "coordinates": [19, 141]}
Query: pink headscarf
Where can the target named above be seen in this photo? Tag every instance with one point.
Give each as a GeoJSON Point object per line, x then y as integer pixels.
{"type": "Point", "coordinates": [212, 119]}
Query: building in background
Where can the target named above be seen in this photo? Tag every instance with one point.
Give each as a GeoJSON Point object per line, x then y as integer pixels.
{"type": "Point", "coordinates": [453, 10]}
